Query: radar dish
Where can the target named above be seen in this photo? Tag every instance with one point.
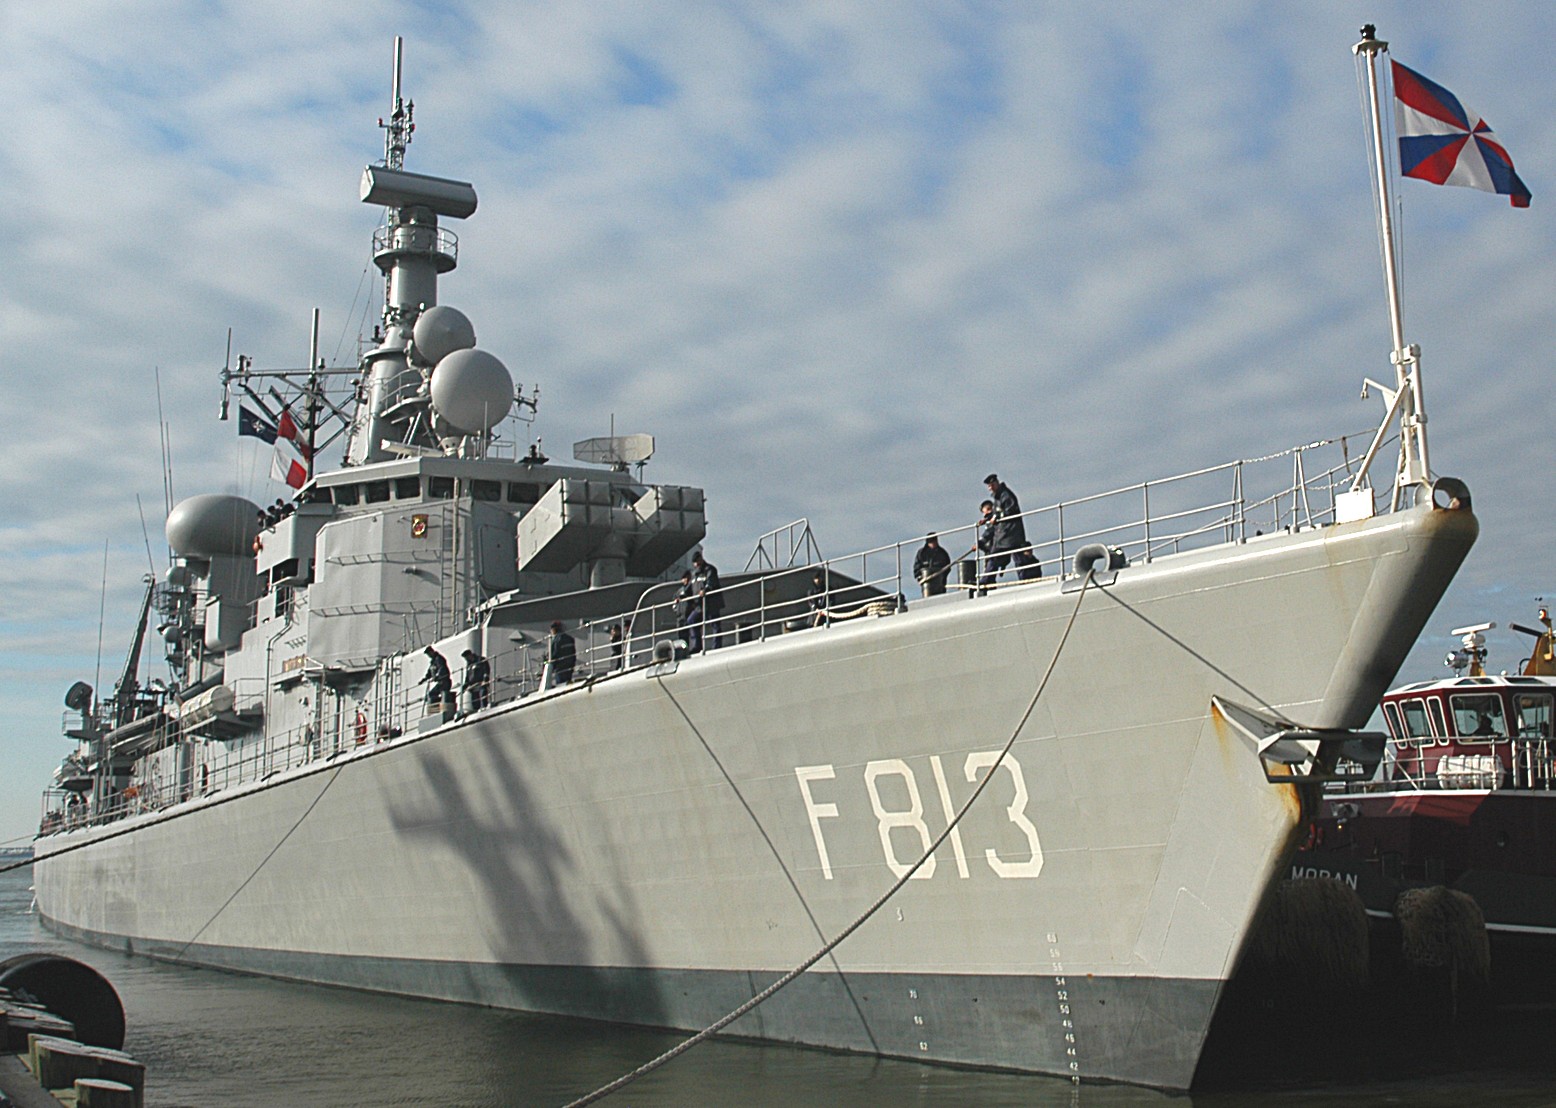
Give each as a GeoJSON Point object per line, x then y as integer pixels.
{"type": "Point", "coordinates": [79, 697]}
{"type": "Point", "coordinates": [441, 330]}
{"type": "Point", "coordinates": [615, 450]}
{"type": "Point", "coordinates": [472, 390]}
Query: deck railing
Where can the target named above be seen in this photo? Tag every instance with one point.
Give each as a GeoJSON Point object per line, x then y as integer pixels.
{"type": "Point", "coordinates": [1283, 492]}
{"type": "Point", "coordinates": [1525, 762]}
{"type": "Point", "coordinates": [791, 589]}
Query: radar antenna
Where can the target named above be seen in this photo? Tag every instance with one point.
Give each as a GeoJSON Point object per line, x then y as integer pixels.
{"type": "Point", "coordinates": [616, 451]}
{"type": "Point", "coordinates": [400, 128]}
{"type": "Point", "coordinates": [1473, 651]}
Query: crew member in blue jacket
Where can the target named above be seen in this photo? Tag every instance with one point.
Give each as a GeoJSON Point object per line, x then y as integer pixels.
{"type": "Point", "coordinates": [1007, 538]}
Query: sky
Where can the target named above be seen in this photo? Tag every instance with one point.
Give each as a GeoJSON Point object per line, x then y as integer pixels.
{"type": "Point", "coordinates": [840, 258]}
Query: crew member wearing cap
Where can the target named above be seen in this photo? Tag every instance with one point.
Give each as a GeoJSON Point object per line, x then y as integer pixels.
{"type": "Point", "coordinates": [1008, 537]}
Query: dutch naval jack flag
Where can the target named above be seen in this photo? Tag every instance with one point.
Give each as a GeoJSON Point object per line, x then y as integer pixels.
{"type": "Point", "coordinates": [1442, 141]}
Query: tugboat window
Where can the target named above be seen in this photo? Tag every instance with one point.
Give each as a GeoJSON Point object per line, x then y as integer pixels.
{"type": "Point", "coordinates": [1416, 729]}
{"type": "Point", "coordinates": [1534, 716]}
{"type": "Point", "coordinates": [1439, 723]}
{"type": "Point", "coordinates": [1391, 717]}
{"type": "Point", "coordinates": [1479, 717]}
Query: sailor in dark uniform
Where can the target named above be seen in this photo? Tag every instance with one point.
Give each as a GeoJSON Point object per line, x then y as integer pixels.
{"type": "Point", "coordinates": [438, 680]}
{"type": "Point", "coordinates": [1008, 537]}
{"type": "Point", "coordinates": [816, 598]}
{"type": "Point", "coordinates": [706, 574]}
{"type": "Point", "coordinates": [931, 565]}
{"type": "Point", "coordinates": [478, 679]}
{"type": "Point", "coordinates": [561, 656]}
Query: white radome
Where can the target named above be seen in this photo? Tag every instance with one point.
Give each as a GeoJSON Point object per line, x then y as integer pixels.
{"type": "Point", "coordinates": [472, 390]}
{"type": "Point", "coordinates": [441, 330]}
{"type": "Point", "coordinates": [212, 524]}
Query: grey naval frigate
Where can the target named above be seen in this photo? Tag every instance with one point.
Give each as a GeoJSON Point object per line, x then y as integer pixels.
{"type": "Point", "coordinates": [722, 776]}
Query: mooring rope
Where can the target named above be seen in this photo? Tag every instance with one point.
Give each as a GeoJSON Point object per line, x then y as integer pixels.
{"type": "Point", "coordinates": [724, 1021]}
{"type": "Point", "coordinates": [773, 849]}
{"type": "Point", "coordinates": [263, 863]}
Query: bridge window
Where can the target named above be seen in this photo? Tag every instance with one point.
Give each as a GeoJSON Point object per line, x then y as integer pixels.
{"type": "Point", "coordinates": [1479, 717]}
{"type": "Point", "coordinates": [440, 487]}
{"type": "Point", "coordinates": [376, 491]}
{"type": "Point", "coordinates": [523, 492]}
{"type": "Point", "coordinates": [486, 490]}
{"type": "Point", "coordinates": [346, 494]}
{"type": "Point", "coordinates": [407, 488]}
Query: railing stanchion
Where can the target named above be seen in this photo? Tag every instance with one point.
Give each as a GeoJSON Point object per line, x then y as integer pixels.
{"type": "Point", "coordinates": [1062, 558]}
{"type": "Point", "coordinates": [1145, 491]}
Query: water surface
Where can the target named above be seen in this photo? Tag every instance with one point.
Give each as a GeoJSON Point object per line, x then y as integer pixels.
{"type": "Point", "coordinates": [218, 1040]}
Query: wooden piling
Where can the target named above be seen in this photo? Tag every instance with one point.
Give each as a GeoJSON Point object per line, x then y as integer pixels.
{"type": "Point", "coordinates": [100, 1092]}
{"type": "Point", "coordinates": [58, 1062]}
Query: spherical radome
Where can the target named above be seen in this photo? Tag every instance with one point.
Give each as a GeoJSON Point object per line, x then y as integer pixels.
{"type": "Point", "coordinates": [212, 524]}
{"type": "Point", "coordinates": [472, 390]}
{"type": "Point", "coordinates": [441, 330]}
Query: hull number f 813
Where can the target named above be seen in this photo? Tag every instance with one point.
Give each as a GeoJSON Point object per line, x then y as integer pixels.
{"type": "Point", "coordinates": [887, 819]}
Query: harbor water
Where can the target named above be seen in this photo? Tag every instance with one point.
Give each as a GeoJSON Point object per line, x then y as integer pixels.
{"type": "Point", "coordinates": [219, 1040]}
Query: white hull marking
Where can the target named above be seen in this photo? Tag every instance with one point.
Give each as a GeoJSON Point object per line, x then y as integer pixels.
{"type": "Point", "coordinates": [888, 820]}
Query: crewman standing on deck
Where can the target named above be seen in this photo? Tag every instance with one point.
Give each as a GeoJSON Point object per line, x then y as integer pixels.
{"type": "Point", "coordinates": [1008, 536]}
{"type": "Point", "coordinates": [440, 684]}
{"type": "Point", "coordinates": [931, 565]}
{"type": "Point", "coordinates": [561, 656]}
{"type": "Point", "coordinates": [478, 679]}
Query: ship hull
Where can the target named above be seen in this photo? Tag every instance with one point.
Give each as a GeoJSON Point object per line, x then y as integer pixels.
{"type": "Point", "coordinates": [1495, 846]}
{"type": "Point", "coordinates": [655, 849]}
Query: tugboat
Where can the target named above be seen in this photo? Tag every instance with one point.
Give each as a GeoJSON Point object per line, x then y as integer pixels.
{"type": "Point", "coordinates": [1464, 798]}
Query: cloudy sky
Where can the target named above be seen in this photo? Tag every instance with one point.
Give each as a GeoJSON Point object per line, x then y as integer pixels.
{"type": "Point", "coordinates": [841, 258]}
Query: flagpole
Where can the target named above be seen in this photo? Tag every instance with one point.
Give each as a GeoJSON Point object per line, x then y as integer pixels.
{"type": "Point", "coordinates": [1406, 397]}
